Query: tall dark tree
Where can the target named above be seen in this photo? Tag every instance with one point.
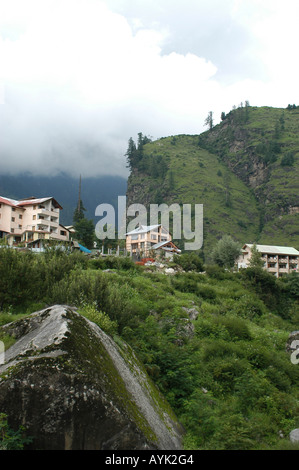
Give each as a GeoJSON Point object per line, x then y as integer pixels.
{"type": "Point", "coordinates": [131, 153]}
{"type": "Point", "coordinates": [209, 120]}
{"type": "Point", "coordinates": [85, 232]}
{"type": "Point", "coordinates": [79, 211]}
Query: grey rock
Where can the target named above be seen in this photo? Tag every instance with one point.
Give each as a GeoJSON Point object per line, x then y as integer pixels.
{"type": "Point", "coordinates": [294, 435]}
{"type": "Point", "coordinates": [73, 387]}
{"type": "Point", "coordinates": [169, 271]}
{"type": "Point", "coordinates": [192, 312]}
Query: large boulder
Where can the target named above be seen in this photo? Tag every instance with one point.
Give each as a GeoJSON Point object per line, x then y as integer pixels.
{"type": "Point", "coordinates": [294, 435]}
{"type": "Point", "coordinates": [73, 387]}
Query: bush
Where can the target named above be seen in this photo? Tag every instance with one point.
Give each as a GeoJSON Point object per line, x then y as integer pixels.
{"type": "Point", "coordinates": [10, 439]}
{"type": "Point", "coordinates": [189, 261]}
{"type": "Point", "coordinates": [19, 280]}
{"type": "Point", "coordinates": [288, 159]}
{"type": "Point", "coordinates": [99, 318]}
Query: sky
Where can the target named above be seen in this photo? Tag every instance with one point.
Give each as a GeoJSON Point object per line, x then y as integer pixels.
{"type": "Point", "coordinates": [78, 78]}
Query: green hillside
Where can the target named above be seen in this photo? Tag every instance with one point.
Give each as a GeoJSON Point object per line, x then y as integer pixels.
{"type": "Point", "coordinates": [244, 171]}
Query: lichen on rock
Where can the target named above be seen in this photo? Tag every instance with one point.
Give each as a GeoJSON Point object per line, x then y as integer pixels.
{"type": "Point", "coordinates": [73, 387]}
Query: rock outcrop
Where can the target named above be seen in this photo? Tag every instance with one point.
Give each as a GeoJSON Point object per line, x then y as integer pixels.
{"type": "Point", "coordinates": [73, 387]}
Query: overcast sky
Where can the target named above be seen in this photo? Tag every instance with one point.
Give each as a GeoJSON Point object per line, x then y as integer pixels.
{"type": "Point", "coordinates": [78, 78]}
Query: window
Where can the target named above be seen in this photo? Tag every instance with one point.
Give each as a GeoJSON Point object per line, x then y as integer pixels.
{"type": "Point", "coordinates": [34, 217]}
{"type": "Point", "coordinates": [63, 233]}
{"type": "Point", "coordinates": [153, 237]}
{"type": "Point", "coordinates": [142, 235]}
{"type": "Point", "coordinates": [12, 230]}
{"type": "Point", "coordinates": [13, 219]}
{"type": "Point", "coordinates": [20, 216]}
{"type": "Point", "coordinates": [13, 209]}
{"type": "Point", "coordinates": [134, 237]}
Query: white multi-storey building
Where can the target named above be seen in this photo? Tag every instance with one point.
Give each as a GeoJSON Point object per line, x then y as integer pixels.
{"type": "Point", "coordinates": [278, 260]}
{"type": "Point", "coordinates": [28, 221]}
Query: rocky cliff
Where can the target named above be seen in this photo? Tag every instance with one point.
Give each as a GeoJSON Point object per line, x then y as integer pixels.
{"type": "Point", "coordinates": [73, 387]}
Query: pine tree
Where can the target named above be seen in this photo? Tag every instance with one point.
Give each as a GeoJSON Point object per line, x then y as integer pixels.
{"type": "Point", "coordinates": [131, 153]}
{"type": "Point", "coordinates": [209, 120]}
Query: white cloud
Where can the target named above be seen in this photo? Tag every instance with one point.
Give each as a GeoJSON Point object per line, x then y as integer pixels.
{"type": "Point", "coordinates": [81, 79]}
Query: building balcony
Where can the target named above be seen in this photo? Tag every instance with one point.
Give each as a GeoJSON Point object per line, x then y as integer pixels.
{"type": "Point", "coordinates": [43, 227]}
{"type": "Point", "coordinates": [272, 269]}
{"type": "Point", "coordinates": [44, 212]}
{"type": "Point", "coordinates": [283, 269]}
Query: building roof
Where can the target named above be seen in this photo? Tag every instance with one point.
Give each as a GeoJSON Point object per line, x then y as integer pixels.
{"type": "Point", "coordinates": [165, 247]}
{"type": "Point", "coordinates": [274, 250]}
{"type": "Point", "coordinates": [143, 229]}
{"type": "Point", "coordinates": [31, 201]}
{"type": "Point", "coordinates": [8, 201]}
{"type": "Point", "coordinates": [28, 201]}
{"type": "Point", "coordinates": [84, 249]}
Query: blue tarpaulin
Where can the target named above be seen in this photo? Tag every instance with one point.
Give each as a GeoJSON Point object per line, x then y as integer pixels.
{"type": "Point", "coordinates": [82, 248]}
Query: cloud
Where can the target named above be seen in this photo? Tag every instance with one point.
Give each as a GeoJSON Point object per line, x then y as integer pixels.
{"type": "Point", "coordinates": [81, 77]}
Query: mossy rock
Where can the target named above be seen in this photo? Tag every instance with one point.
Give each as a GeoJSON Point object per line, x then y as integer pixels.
{"type": "Point", "coordinates": [73, 387]}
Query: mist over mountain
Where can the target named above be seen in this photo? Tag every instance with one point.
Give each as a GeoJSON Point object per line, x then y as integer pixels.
{"type": "Point", "coordinates": [65, 189]}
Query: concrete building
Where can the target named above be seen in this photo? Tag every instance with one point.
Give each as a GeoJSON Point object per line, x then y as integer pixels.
{"type": "Point", "coordinates": [146, 239]}
{"type": "Point", "coordinates": [278, 260]}
{"type": "Point", "coordinates": [29, 221]}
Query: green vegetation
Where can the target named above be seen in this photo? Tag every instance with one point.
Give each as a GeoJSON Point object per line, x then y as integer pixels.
{"type": "Point", "coordinates": [213, 343]}
{"type": "Point", "coordinates": [192, 175]}
{"type": "Point", "coordinates": [10, 439]}
{"type": "Point", "coordinates": [244, 171]}
{"type": "Point", "coordinates": [226, 252]}
{"type": "Point", "coordinates": [262, 150]}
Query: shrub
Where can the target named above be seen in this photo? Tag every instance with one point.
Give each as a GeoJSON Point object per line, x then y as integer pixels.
{"type": "Point", "coordinates": [189, 261]}
{"type": "Point", "coordinates": [10, 439]}
{"type": "Point", "coordinates": [288, 159]}
{"type": "Point", "coordinates": [99, 318]}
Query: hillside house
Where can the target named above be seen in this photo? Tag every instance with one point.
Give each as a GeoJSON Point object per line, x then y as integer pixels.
{"type": "Point", "coordinates": [278, 260]}
{"type": "Point", "coordinates": [146, 239]}
{"type": "Point", "coordinates": [31, 221]}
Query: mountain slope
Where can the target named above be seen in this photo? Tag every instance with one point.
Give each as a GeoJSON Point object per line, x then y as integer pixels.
{"type": "Point", "coordinates": [244, 171]}
{"type": "Point", "coordinates": [195, 176]}
{"type": "Point", "coordinates": [261, 146]}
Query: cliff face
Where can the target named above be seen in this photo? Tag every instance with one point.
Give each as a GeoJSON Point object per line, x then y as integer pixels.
{"type": "Point", "coordinates": [245, 172]}
{"type": "Point", "coordinates": [73, 387]}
